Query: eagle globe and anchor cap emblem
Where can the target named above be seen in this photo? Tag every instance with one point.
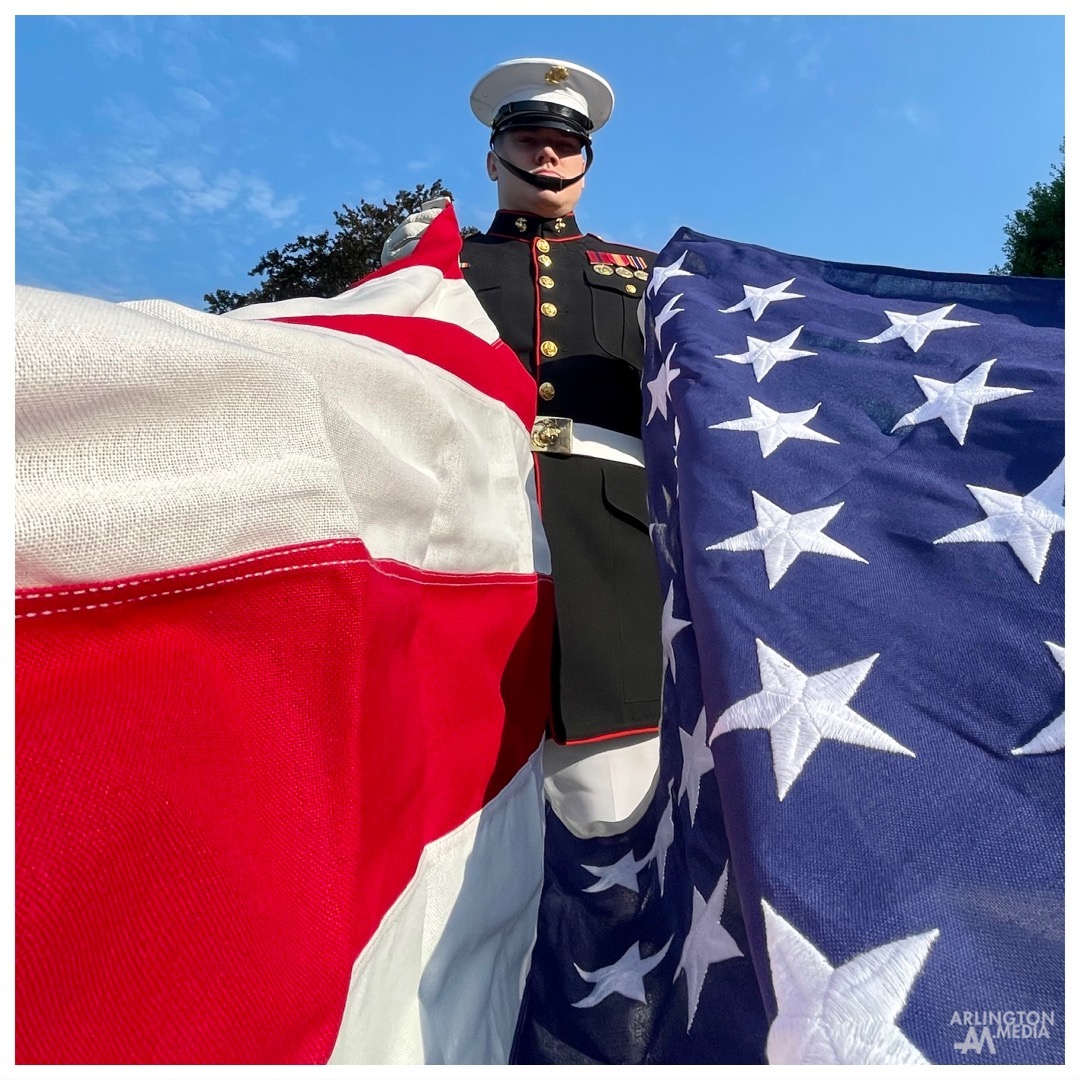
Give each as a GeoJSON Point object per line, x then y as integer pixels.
{"type": "Point", "coordinates": [534, 90]}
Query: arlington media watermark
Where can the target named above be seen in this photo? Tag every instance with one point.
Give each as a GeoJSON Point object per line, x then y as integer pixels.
{"type": "Point", "coordinates": [985, 1029]}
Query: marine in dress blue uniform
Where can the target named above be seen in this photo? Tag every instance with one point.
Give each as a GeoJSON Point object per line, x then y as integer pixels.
{"type": "Point", "coordinates": [566, 302]}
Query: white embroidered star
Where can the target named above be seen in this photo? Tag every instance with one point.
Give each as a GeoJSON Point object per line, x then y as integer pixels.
{"type": "Point", "coordinates": [844, 1015]}
{"type": "Point", "coordinates": [764, 355]}
{"type": "Point", "coordinates": [707, 943]}
{"type": "Point", "coordinates": [660, 387]}
{"type": "Point", "coordinates": [660, 532]}
{"type": "Point", "coordinates": [915, 329]}
{"type": "Point", "coordinates": [1052, 737]}
{"type": "Point", "coordinates": [798, 711]}
{"type": "Point", "coordinates": [624, 873]}
{"type": "Point", "coordinates": [665, 834]}
{"type": "Point", "coordinates": [774, 428]}
{"type": "Point", "coordinates": [757, 300]}
{"type": "Point", "coordinates": [666, 313]}
{"type": "Point", "coordinates": [660, 274]}
{"type": "Point", "coordinates": [782, 537]}
{"type": "Point", "coordinates": [1026, 523]}
{"type": "Point", "coordinates": [675, 456]}
{"type": "Point", "coordinates": [955, 402]}
{"type": "Point", "coordinates": [669, 627]}
{"type": "Point", "coordinates": [626, 976]}
{"type": "Point", "coordinates": [668, 500]}
{"type": "Point", "coordinates": [697, 760]}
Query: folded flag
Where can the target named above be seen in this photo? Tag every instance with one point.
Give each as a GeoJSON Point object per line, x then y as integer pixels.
{"type": "Point", "coordinates": [283, 625]}
{"type": "Point", "coordinates": [855, 852]}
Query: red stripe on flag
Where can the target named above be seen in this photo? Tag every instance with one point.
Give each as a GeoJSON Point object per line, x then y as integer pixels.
{"type": "Point", "coordinates": [492, 369]}
{"type": "Point", "coordinates": [439, 246]}
{"type": "Point", "coordinates": [226, 775]}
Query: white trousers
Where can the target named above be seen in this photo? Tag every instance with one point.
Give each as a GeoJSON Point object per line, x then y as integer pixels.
{"type": "Point", "coordinates": [602, 788]}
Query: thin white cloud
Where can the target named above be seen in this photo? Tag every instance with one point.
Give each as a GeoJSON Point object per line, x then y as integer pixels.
{"type": "Point", "coordinates": [113, 37]}
{"type": "Point", "coordinates": [45, 226]}
{"type": "Point", "coordinates": [186, 45]}
{"type": "Point", "coordinates": [417, 166]}
{"type": "Point", "coordinates": [808, 63]}
{"type": "Point", "coordinates": [186, 177]}
{"type": "Point", "coordinates": [808, 49]}
{"type": "Point", "coordinates": [135, 123]}
{"type": "Point", "coordinates": [202, 197]}
{"type": "Point", "coordinates": [116, 44]}
{"type": "Point", "coordinates": [361, 152]}
{"type": "Point", "coordinates": [178, 72]}
{"type": "Point", "coordinates": [281, 49]}
{"type": "Point", "coordinates": [760, 85]}
{"type": "Point", "coordinates": [194, 100]}
{"type": "Point", "coordinates": [913, 114]}
{"type": "Point", "coordinates": [262, 201]}
{"type": "Point", "coordinates": [375, 189]}
{"type": "Point", "coordinates": [917, 116]}
{"type": "Point", "coordinates": [39, 203]}
{"type": "Point", "coordinates": [115, 203]}
{"type": "Point", "coordinates": [219, 194]}
{"type": "Point", "coordinates": [104, 290]}
{"type": "Point", "coordinates": [143, 234]}
{"type": "Point", "coordinates": [136, 178]}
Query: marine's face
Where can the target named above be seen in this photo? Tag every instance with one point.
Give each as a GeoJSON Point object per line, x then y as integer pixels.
{"type": "Point", "coordinates": [541, 151]}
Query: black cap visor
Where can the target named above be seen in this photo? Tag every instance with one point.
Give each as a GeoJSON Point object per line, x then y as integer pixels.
{"type": "Point", "coordinates": [519, 114]}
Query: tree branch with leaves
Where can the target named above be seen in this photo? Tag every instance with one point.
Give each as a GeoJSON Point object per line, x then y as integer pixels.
{"type": "Point", "coordinates": [329, 262]}
{"type": "Point", "coordinates": [1035, 236]}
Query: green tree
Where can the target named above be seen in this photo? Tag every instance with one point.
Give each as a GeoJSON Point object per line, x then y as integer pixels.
{"type": "Point", "coordinates": [328, 263]}
{"type": "Point", "coordinates": [1035, 236]}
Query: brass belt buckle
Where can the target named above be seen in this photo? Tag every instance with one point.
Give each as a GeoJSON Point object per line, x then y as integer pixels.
{"type": "Point", "coordinates": [553, 435]}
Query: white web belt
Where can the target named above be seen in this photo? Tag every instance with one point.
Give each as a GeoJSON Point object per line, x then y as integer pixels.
{"type": "Point", "coordinates": [561, 435]}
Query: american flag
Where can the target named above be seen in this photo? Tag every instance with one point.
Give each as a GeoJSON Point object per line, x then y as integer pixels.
{"type": "Point", "coordinates": [283, 624]}
{"type": "Point", "coordinates": [855, 851]}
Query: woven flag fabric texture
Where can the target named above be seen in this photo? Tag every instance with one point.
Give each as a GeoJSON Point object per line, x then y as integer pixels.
{"type": "Point", "coordinates": [283, 629]}
{"type": "Point", "coordinates": [855, 850]}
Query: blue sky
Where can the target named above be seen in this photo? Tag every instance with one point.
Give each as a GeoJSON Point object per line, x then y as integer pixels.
{"type": "Point", "coordinates": [163, 156]}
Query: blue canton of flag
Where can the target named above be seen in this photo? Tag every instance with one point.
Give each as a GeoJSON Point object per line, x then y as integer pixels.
{"type": "Point", "coordinates": [855, 852]}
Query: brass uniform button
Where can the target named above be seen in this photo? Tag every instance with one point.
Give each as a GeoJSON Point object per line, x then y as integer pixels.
{"type": "Point", "coordinates": [631, 288]}
{"type": "Point", "coordinates": [544, 260]}
{"type": "Point", "coordinates": [549, 310]}
{"type": "Point", "coordinates": [547, 391]}
{"type": "Point", "coordinates": [548, 348]}
{"type": "Point", "coordinates": [623, 272]}
{"type": "Point", "coordinates": [602, 268]}
{"type": "Point", "coordinates": [542, 245]}
{"type": "Point", "coordinates": [641, 275]}
{"type": "Point", "coordinates": [547, 282]}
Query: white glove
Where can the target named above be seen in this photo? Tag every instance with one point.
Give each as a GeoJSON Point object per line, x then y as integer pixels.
{"type": "Point", "coordinates": [403, 240]}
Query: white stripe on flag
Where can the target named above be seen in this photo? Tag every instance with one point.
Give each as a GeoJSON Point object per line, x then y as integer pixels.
{"type": "Point", "coordinates": [246, 436]}
{"type": "Point", "coordinates": [432, 984]}
{"type": "Point", "coordinates": [419, 291]}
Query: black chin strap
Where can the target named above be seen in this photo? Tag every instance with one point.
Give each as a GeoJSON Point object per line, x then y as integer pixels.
{"type": "Point", "coordinates": [545, 183]}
